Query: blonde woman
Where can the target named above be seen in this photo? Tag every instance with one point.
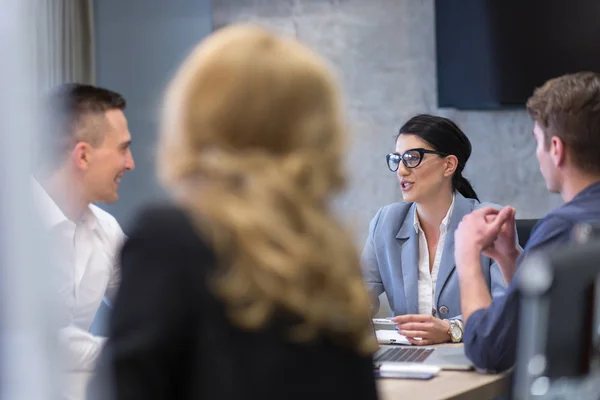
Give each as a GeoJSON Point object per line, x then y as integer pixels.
{"type": "Point", "coordinates": [247, 287]}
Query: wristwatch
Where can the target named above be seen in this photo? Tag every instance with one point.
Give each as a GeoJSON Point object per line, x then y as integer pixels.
{"type": "Point", "coordinates": [455, 331]}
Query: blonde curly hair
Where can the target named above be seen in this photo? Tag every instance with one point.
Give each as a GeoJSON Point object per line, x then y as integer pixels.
{"type": "Point", "coordinates": [251, 145]}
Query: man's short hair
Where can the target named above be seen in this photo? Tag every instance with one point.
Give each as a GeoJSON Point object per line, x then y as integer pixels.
{"type": "Point", "coordinates": [69, 108]}
{"type": "Point", "coordinates": [568, 107]}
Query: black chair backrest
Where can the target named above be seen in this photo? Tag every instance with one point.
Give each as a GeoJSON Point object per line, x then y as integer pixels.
{"type": "Point", "coordinates": [524, 227]}
{"type": "Point", "coordinates": [558, 323]}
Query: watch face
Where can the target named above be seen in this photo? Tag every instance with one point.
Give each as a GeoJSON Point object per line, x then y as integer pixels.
{"type": "Point", "coordinates": [456, 333]}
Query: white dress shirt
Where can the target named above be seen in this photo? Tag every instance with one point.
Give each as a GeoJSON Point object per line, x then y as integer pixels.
{"type": "Point", "coordinates": [86, 257]}
{"type": "Point", "coordinates": [428, 280]}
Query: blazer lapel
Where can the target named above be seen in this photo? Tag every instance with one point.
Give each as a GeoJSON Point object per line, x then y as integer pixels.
{"type": "Point", "coordinates": [410, 261]}
{"type": "Point", "coordinates": [462, 207]}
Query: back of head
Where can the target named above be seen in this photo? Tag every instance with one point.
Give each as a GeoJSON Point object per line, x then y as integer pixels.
{"type": "Point", "coordinates": [252, 139]}
{"type": "Point", "coordinates": [568, 107]}
{"type": "Point", "coordinates": [446, 137]}
{"type": "Point", "coordinates": [74, 112]}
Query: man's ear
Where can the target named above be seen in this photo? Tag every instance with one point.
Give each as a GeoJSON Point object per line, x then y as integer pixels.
{"type": "Point", "coordinates": [558, 152]}
{"type": "Point", "coordinates": [81, 155]}
{"type": "Point", "coordinates": [450, 165]}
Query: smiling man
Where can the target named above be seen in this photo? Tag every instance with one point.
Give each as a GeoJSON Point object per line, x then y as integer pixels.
{"type": "Point", "coordinates": [84, 154]}
{"type": "Point", "coordinates": [566, 114]}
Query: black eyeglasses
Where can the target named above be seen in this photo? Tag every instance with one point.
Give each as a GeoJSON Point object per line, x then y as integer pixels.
{"type": "Point", "coordinates": [411, 158]}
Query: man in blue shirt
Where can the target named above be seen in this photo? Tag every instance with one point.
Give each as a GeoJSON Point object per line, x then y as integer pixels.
{"type": "Point", "coordinates": [566, 112]}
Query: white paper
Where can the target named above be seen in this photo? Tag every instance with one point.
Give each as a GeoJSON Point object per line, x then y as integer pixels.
{"type": "Point", "coordinates": [383, 321]}
{"type": "Point", "coordinates": [408, 370]}
{"type": "Point", "coordinates": [389, 336]}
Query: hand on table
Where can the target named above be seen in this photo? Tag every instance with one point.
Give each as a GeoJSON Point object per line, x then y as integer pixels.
{"type": "Point", "coordinates": [428, 329]}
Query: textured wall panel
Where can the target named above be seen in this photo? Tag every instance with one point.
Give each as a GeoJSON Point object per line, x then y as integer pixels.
{"type": "Point", "coordinates": [384, 53]}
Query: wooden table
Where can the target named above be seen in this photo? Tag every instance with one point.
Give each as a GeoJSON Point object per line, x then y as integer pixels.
{"type": "Point", "coordinates": [456, 385]}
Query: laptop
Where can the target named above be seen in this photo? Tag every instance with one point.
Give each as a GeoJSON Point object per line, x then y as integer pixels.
{"type": "Point", "coordinates": [446, 358]}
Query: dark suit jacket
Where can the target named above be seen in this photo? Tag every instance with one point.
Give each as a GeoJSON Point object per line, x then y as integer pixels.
{"type": "Point", "coordinates": [169, 337]}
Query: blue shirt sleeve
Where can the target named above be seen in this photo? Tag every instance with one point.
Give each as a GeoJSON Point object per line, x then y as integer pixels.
{"type": "Point", "coordinates": [490, 335]}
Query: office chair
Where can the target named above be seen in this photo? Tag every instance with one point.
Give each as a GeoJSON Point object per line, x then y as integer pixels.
{"type": "Point", "coordinates": [524, 228]}
{"type": "Point", "coordinates": [558, 324]}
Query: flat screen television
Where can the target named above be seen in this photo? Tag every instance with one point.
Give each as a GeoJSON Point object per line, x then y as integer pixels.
{"type": "Point", "coordinates": [492, 54]}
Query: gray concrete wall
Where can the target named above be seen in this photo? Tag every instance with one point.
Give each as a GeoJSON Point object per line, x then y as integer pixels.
{"type": "Point", "coordinates": [384, 53]}
{"type": "Point", "coordinates": [139, 44]}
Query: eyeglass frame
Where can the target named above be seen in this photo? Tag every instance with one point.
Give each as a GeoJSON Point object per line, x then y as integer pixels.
{"type": "Point", "coordinates": [421, 152]}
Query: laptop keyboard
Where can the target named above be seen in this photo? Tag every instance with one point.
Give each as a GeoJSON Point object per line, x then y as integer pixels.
{"type": "Point", "coordinates": [402, 354]}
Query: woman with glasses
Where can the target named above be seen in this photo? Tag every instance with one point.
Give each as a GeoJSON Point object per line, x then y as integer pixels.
{"type": "Point", "coordinates": [409, 253]}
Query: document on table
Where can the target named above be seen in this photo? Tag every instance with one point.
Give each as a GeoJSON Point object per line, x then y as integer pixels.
{"type": "Point", "coordinates": [391, 336]}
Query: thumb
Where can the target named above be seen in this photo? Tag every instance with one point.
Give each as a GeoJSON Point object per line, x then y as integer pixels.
{"type": "Point", "coordinates": [511, 217]}
{"type": "Point", "coordinates": [505, 215]}
{"type": "Point", "coordinates": [511, 221]}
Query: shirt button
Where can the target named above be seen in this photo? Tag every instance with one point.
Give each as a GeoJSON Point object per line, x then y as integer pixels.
{"type": "Point", "coordinates": [444, 310]}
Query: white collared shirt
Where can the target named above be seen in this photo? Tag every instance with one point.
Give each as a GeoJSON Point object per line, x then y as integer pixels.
{"type": "Point", "coordinates": [86, 256]}
{"type": "Point", "coordinates": [428, 280]}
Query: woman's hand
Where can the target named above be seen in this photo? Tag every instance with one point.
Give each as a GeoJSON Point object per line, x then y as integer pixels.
{"type": "Point", "coordinates": [423, 329]}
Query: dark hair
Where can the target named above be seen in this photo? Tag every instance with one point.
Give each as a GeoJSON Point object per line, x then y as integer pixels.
{"type": "Point", "coordinates": [446, 137]}
{"type": "Point", "coordinates": [568, 107]}
{"type": "Point", "coordinates": [66, 107]}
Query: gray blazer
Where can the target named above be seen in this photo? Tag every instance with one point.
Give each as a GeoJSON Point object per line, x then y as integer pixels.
{"type": "Point", "coordinates": [390, 261]}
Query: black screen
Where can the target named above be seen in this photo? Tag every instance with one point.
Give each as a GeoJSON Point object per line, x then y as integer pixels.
{"type": "Point", "coordinates": [494, 53]}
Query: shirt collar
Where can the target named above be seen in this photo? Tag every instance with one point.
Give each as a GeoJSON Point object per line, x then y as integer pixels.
{"type": "Point", "coordinates": [592, 189]}
{"type": "Point", "coordinates": [51, 213]}
{"type": "Point", "coordinates": [445, 221]}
